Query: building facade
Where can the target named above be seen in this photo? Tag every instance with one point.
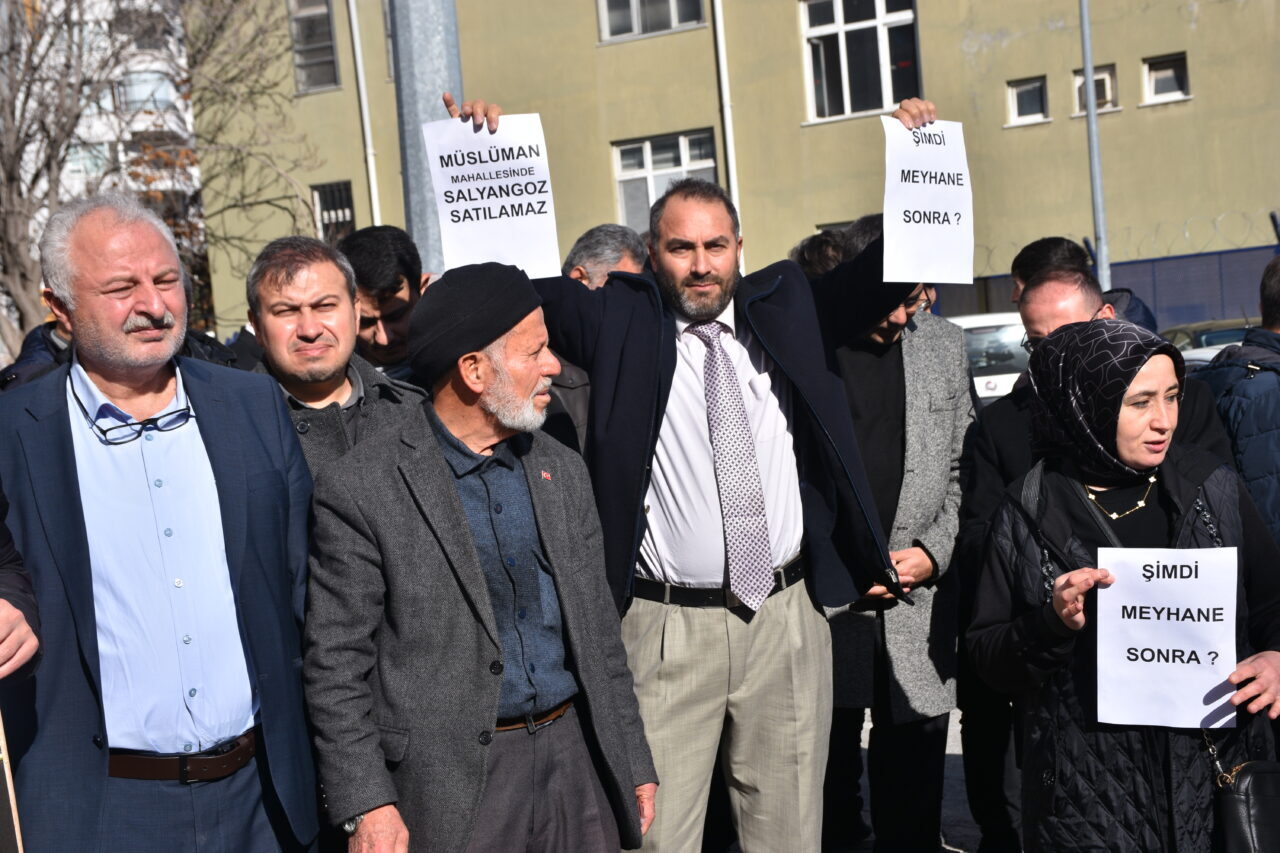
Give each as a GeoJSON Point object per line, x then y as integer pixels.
{"type": "Point", "coordinates": [634, 92]}
{"type": "Point", "coordinates": [338, 181]}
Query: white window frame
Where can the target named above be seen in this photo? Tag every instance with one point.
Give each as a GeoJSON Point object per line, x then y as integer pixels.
{"type": "Point", "coordinates": [1011, 101]}
{"type": "Point", "coordinates": [602, 10]}
{"type": "Point", "coordinates": [650, 173]}
{"type": "Point", "coordinates": [882, 21]}
{"type": "Point", "coordinates": [1104, 73]}
{"type": "Point", "coordinates": [1149, 96]}
{"type": "Point", "coordinates": [295, 14]}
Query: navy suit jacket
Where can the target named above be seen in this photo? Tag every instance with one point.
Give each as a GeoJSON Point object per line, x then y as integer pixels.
{"type": "Point", "coordinates": [623, 334]}
{"type": "Point", "coordinates": [54, 720]}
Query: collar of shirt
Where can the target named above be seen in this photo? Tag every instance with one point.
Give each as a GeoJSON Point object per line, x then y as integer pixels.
{"type": "Point", "coordinates": [104, 414]}
{"type": "Point", "coordinates": [726, 317]}
{"type": "Point", "coordinates": [462, 459]}
{"type": "Point", "coordinates": [355, 398]}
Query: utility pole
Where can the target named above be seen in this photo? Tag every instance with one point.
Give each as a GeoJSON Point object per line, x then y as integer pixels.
{"type": "Point", "coordinates": [1095, 157]}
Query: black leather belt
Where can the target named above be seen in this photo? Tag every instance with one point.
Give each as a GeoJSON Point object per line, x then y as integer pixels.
{"type": "Point", "coordinates": [212, 764]}
{"type": "Point", "coordinates": [716, 596]}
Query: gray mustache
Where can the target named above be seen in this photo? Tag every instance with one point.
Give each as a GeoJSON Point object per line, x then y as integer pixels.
{"type": "Point", "coordinates": [138, 323]}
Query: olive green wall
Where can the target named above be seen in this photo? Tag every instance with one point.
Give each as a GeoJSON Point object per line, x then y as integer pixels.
{"type": "Point", "coordinates": [329, 122]}
{"type": "Point", "coordinates": [1196, 175]}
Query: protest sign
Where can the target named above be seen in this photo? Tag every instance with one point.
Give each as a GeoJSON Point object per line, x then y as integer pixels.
{"type": "Point", "coordinates": [1167, 637]}
{"type": "Point", "coordinates": [928, 204]}
{"type": "Point", "coordinates": [493, 193]}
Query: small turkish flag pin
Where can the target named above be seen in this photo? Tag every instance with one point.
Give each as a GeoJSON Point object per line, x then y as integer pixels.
{"type": "Point", "coordinates": [546, 476]}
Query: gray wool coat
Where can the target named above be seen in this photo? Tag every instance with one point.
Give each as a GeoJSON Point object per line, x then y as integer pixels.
{"type": "Point", "coordinates": [400, 637]}
{"type": "Point", "coordinates": [920, 640]}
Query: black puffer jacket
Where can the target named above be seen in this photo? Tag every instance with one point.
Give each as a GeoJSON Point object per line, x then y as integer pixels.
{"type": "Point", "coordinates": [1090, 786]}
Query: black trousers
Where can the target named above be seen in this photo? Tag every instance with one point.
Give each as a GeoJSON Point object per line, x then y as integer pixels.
{"type": "Point", "coordinates": [906, 766]}
{"type": "Point", "coordinates": [992, 780]}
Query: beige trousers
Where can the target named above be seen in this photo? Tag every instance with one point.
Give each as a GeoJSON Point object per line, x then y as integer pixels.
{"type": "Point", "coordinates": [704, 676]}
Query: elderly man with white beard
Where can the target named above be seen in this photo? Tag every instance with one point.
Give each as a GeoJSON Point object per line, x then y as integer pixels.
{"type": "Point", "coordinates": [464, 666]}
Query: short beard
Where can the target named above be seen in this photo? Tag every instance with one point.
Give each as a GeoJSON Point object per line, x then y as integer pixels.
{"type": "Point", "coordinates": [501, 401]}
{"type": "Point", "coordinates": [698, 310]}
{"type": "Point", "coordinates": [310, 375]}
{"type": "Point", "coordinates": [114, 354]}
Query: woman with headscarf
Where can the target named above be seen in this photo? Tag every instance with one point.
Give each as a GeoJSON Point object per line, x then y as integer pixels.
{"type": "Point", "coordinates": [1106, 405]}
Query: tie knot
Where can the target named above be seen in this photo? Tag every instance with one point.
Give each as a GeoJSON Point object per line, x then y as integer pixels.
{"type": "Point", "coordinates": [708, 332]}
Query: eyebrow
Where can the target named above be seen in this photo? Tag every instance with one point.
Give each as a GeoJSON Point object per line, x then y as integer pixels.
{"type": "Point", "coordinates": [1138, 394]}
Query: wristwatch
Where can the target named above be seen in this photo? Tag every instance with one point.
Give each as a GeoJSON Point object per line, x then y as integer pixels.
{"type": "Point", "coordinates": [349, 827]}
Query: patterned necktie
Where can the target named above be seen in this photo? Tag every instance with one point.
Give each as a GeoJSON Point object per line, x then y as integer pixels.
{"type": "Point", "coordinates": [746, 527]}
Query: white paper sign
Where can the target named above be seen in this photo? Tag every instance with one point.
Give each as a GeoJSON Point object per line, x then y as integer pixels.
{"type": "Point", "coordinates": [928, 204]}
{"type": "Point", "coordinates": [493, 193]}
{"type": "Point", "coordinates": [1167, 637]}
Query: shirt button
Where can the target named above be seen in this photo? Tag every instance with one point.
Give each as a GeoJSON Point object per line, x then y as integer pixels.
{"type": "Point", "coordinates": [485, 738]}
{"type": "Point", "coordinates": [148, 436]}
{"type": "Point", "coordinates": [303, 427]}
{"type": "Point", "coordinates": [497, 508]}
{"type": "Point", "coordinates": [496, 667]}
{"type": "Point", "coordinates": [186, 747]}
{"type": "Point", "coordinates": [533, 667]}
{"type": "Point", "coordinates": [168, 531]}
{"type": "Point", "coordinates": [186, 638]}
{"type": "Point", "coordinates": [511, 561]}
{"type": "Point", "coordinates": [192, 693]}
{"type": "Point", "coordinates": [159, 483]}
{"type": "Point", "coordinates": [520, 612]}
{"type": "Point", "coordinates": [177, 582]}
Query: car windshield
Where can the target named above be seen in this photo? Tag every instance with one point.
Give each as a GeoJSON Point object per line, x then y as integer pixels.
{"type": "Point", "coordinates": [994, 350]}
{"type": "Point", "coordinates": [1218, 337]}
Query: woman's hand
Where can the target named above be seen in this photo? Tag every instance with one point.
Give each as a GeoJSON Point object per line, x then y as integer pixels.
{"type": "Point", "coordinates": [1262, 672]}
{"type": "Point", "coordinates": [1069, 591]}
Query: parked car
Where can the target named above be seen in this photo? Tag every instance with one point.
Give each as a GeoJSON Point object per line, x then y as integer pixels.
{"type": "Point", "coordinates": [996, 356]}
{"type": "Point", "coordinates": [1209, 333]}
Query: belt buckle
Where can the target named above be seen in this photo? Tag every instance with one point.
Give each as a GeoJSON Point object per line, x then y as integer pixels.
{"type": "Point", "coordinates": [183, 774]}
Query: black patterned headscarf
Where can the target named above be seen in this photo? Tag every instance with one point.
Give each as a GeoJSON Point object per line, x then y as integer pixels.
{"type": "Point", "coordinates": [1080, 374]}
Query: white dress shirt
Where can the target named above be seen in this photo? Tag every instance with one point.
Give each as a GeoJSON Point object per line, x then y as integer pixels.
{"type": "Point", "coordinates": [684, 537]}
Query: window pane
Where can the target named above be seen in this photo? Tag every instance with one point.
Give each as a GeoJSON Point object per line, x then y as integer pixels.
{"type": "Point", "coordinates": [864, 70]}
{"type": "Point", "coordinates": [619, 17]}
{"type": "Point", "coordinates": [828, 93]}
{"type": "Point", "coordinates": [897, 5]}
{"type": "Point", "coordinates": [701, 147]}
{"type": "Point", "coordinates": [902, 62]}
{"type": "Point", "coordinates": [312, 31]}
{"type": "Point", "coordinates": [317, 76]}
{"type": "Point", "coordinates": [1029, 99]}
{"type": "Point", "coordinates": [655, 15]}
{"type": "Point", "coordinates": [635, 203]}
{"type": "Point", "coordinates": [859, 10]}
{"type": "Point", "coordinates": [1169, 77]}
{"type": "Point", "coordinates": [688, 11]}
{"type": "Point", "coordinates": [631, 157]}
{"type": "Point", "coordinates": [707, 174]}
{"type": "Point", "coordinates": [821, 12]}
{"type": "Point", "coordinates": [664, 152]}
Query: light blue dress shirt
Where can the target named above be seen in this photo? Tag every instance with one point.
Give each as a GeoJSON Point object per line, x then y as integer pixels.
{"type": "Point", "coordinates": [174, 675]}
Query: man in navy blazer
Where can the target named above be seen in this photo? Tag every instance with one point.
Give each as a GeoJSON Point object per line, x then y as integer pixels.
{"type": "Point", "coordinates": [160, 505]}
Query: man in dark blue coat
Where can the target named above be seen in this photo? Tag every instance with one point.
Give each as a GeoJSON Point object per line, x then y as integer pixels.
{"type": "Point", "coordinates": [160, 504]}
{"type": "Point", "coordinates": [1245, 379]}
{"type": "Point", "coordinates": [733, 504]}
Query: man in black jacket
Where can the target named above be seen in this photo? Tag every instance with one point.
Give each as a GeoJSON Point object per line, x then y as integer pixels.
{"type": "Point", "coordinates": [998, 451]}
{"type": "Point", "coordinates": [726, 472]}
{"type": "Point", "coordinates": [301, 295]}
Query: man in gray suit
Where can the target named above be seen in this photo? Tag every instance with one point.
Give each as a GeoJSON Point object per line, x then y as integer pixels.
{"type": "Point", "coordinates": [907, 384]}
{"type": "Point", "coordinates": [464, 666]}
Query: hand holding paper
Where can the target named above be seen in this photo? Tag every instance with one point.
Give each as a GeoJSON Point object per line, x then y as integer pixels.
{"type": "Point", "coordinates": [1262, 674]}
